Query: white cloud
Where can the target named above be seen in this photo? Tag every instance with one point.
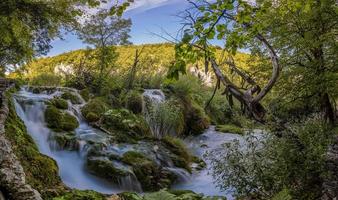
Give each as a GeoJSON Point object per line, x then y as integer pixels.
{"type": "Point", "coordinates": [143, 5]}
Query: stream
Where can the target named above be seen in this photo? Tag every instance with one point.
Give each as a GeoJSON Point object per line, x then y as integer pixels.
{"type": "Point", "coordinates": [30, 107]}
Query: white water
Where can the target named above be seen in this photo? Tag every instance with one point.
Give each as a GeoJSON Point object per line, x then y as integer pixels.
{"type": "Point", "coordinates": [71, 163]}
{"type": "Point", "coordinates": [30, 108]}
{"type": "Point", "coordinates": [202, 181]}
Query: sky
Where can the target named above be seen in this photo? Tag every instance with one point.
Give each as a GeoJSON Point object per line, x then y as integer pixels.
{"type": "Point", "coordinates": [148, 17]}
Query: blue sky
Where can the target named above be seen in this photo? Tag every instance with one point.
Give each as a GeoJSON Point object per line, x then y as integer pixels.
{"type": "Point", "coordinates": [148, 16]}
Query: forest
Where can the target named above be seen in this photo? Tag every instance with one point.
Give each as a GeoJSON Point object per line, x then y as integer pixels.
{"type": "Point", "coordinates": [240, 104]}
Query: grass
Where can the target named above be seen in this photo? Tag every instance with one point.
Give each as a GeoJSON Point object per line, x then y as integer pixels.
{"type": "Point", "coordinates": [230, 128]}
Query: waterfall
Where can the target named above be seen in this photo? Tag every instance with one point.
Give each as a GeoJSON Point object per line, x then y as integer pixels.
{"type": "Point", "coordinates": [30, 107]}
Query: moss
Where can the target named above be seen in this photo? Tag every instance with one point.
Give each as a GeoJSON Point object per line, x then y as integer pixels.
{"type": "Point", "coordinates": [59, 103]}
{"type": "Point", "coordinates": [95, 106]}
{"type": "Point", "coordinates": [134, 101]}
{"type": "Point", "coordinates": [130, 196]}
{"type": "Point", "coordinates": [181, 156]}
{"type": "Point", "coordinates": [92, 117]}
{"type": "Point", "coordinates": [66, 140]}
{"type": "Point", "coordinates": [41, 171]}
{"type": "Point", "coordinates": [146, 171]}
{"type": "Point", "coordinates": [72, 97]}
{"type": "Point", "coordinates": [53, 117]}
{"type": "Point", "coordinates": [60, 121]}
{"type": "Point", "coordinates": [230, 128]}
{"type": "Point", "coordinates": [81, 195]}
{"type": "Point", "coordinates": [85, 94]}
{"type": "Point", "coordinates": [69, 122]}
{"type": "Point", "coordinates": [196, 120]}
{"type": "Point", "coordinates": [105, 168]}
{"type": "Point", "coordinates": [124, 120]}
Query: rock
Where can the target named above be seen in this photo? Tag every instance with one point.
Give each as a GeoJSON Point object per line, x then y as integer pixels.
{"type": "Point", "coordinates": [72, 97]}
{"type": "Point", "coordinates": [59, 103]}
{"type": "Point", "coordinates": [12, 176]}
{"type": "Point", "coordinates": [66, 140]}
{"type": "Point", "coordinates": [60, 121]}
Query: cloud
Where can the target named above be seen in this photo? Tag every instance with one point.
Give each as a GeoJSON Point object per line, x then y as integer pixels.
{"type": "Point", "coordinates": [143, 5]}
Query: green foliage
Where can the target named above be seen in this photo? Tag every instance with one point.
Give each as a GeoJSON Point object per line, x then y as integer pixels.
{"type": "Point", "coordinates": [46, 79]}
{"type": "Point", "coordinates": [267, 165]}
{"type": "Point", "coordinates": [165, 118]}
{"type": "Point", "coordinates": [282, 195]}
{"type": "Point", "coordinates": [81, 195]}
{"type": "Point", "coordinates": [60, 121]}
{"type": "Point", "coordinates": [41, 171]}
{"type": "Point", "coordinates": [230, 128]}
{"type": "Point", "coordinates": [134, 101]}
{"type": "Point", "coordinates": [95, 107]}
{"type": "Point", "coordinates": [59, 103]}
{"type": "Point", "coordinates": [85, 94]}
{"type": "Point", "coordinates": [162, 194]}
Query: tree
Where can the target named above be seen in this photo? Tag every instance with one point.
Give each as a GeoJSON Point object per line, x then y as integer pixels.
{"type": "Point", "coordinates": [264, 28]}
{"type": "Point", "coordinates": [28, 26]}
{"type": "Point", "coordinates": [104, 31]}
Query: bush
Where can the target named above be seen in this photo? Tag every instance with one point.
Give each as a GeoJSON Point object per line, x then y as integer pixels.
{"type": "Point", "coordinates": [165, 119]}
{"type": "Point", "coordinates": [46, 79]}
{"type": "Point", "coordinates": [294, 161]}
{"type": "Point", "coordinates": [134, 101]}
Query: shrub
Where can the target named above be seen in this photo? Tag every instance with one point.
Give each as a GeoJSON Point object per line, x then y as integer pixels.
{"type": "Point", "coordinates": [294, 161]}
{"type": "Point", "coordinates": [165, 119]}
{"type": "Point", "coordinates": [134, 101]}
{"type": "Point", "coordinates": [46, 79]}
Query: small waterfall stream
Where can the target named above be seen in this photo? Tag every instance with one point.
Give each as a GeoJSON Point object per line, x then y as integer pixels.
{"type": "Point", "coordinates": [30, 108]}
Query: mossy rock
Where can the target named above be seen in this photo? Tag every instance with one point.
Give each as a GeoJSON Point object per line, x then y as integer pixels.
{"type": "Point", "coordinates": [229, 128]}
{"type": "Point", "coordinates": [95, 106]}
{"type": "Point", "coordinates": [66, 140]}
{"type": "Point", "coordinates": [59, 103]}
{"type": "Point", "coordinates": [92, 117]}
{"type": "Point", "coordinates": [85, 94]}
{"type": "Point", "coordinates": [196, 120]}
{"type": "Point", "coordinates": [124, 120]}
{"type": "Point", "coordinates": [41, 171]}
{"type": "Point", "coordinates": [69, 122]}
{"type": "Point", "coordinates": [72, 97]}
{"type": "Point", "coordinates": [180, 154]}
{"type": "Point", "coordinates": [134, 101]}
{"type": "Point", "coordinates": [150, 175]}
{"type": "Point", "coordinates": [105, 168]}
{"type": "Point", "coordinates": [81, 195]}
{"type": "Point", "coordinates": [60, 121]}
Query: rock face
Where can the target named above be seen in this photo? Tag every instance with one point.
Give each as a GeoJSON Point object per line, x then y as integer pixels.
{"type": "Point", "coordinates": [12, 176]}
{"type": "Point", "coordinates": [330, 185]}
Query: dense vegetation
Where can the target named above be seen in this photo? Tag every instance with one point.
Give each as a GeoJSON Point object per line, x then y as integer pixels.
{"type": "Point", "coordinates": [286, 86]}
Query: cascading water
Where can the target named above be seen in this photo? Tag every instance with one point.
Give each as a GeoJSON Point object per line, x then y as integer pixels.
{"type": "Point", "coordinates": [30, 108]}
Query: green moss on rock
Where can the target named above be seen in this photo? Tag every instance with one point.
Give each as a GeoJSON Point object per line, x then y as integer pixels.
{"type": "Point", "coordinates": [81, 195]}
{"type": "Point", "coordinates": [60, 121]}
{"type": "Point", "coordinates": [72, 97]}
{"type": "Point", "coordinates": [41, 171]}
{"type": "Point", "coordinates": [181, 156]}
{"type": "Point", "coordinates": [134, 101]}
{"type": "Point", "coordinates": [59, 103]}
{"type": "Point", "coordinates": [66, 140]}
{"type": "Point", "coordinates": [95, 106]}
